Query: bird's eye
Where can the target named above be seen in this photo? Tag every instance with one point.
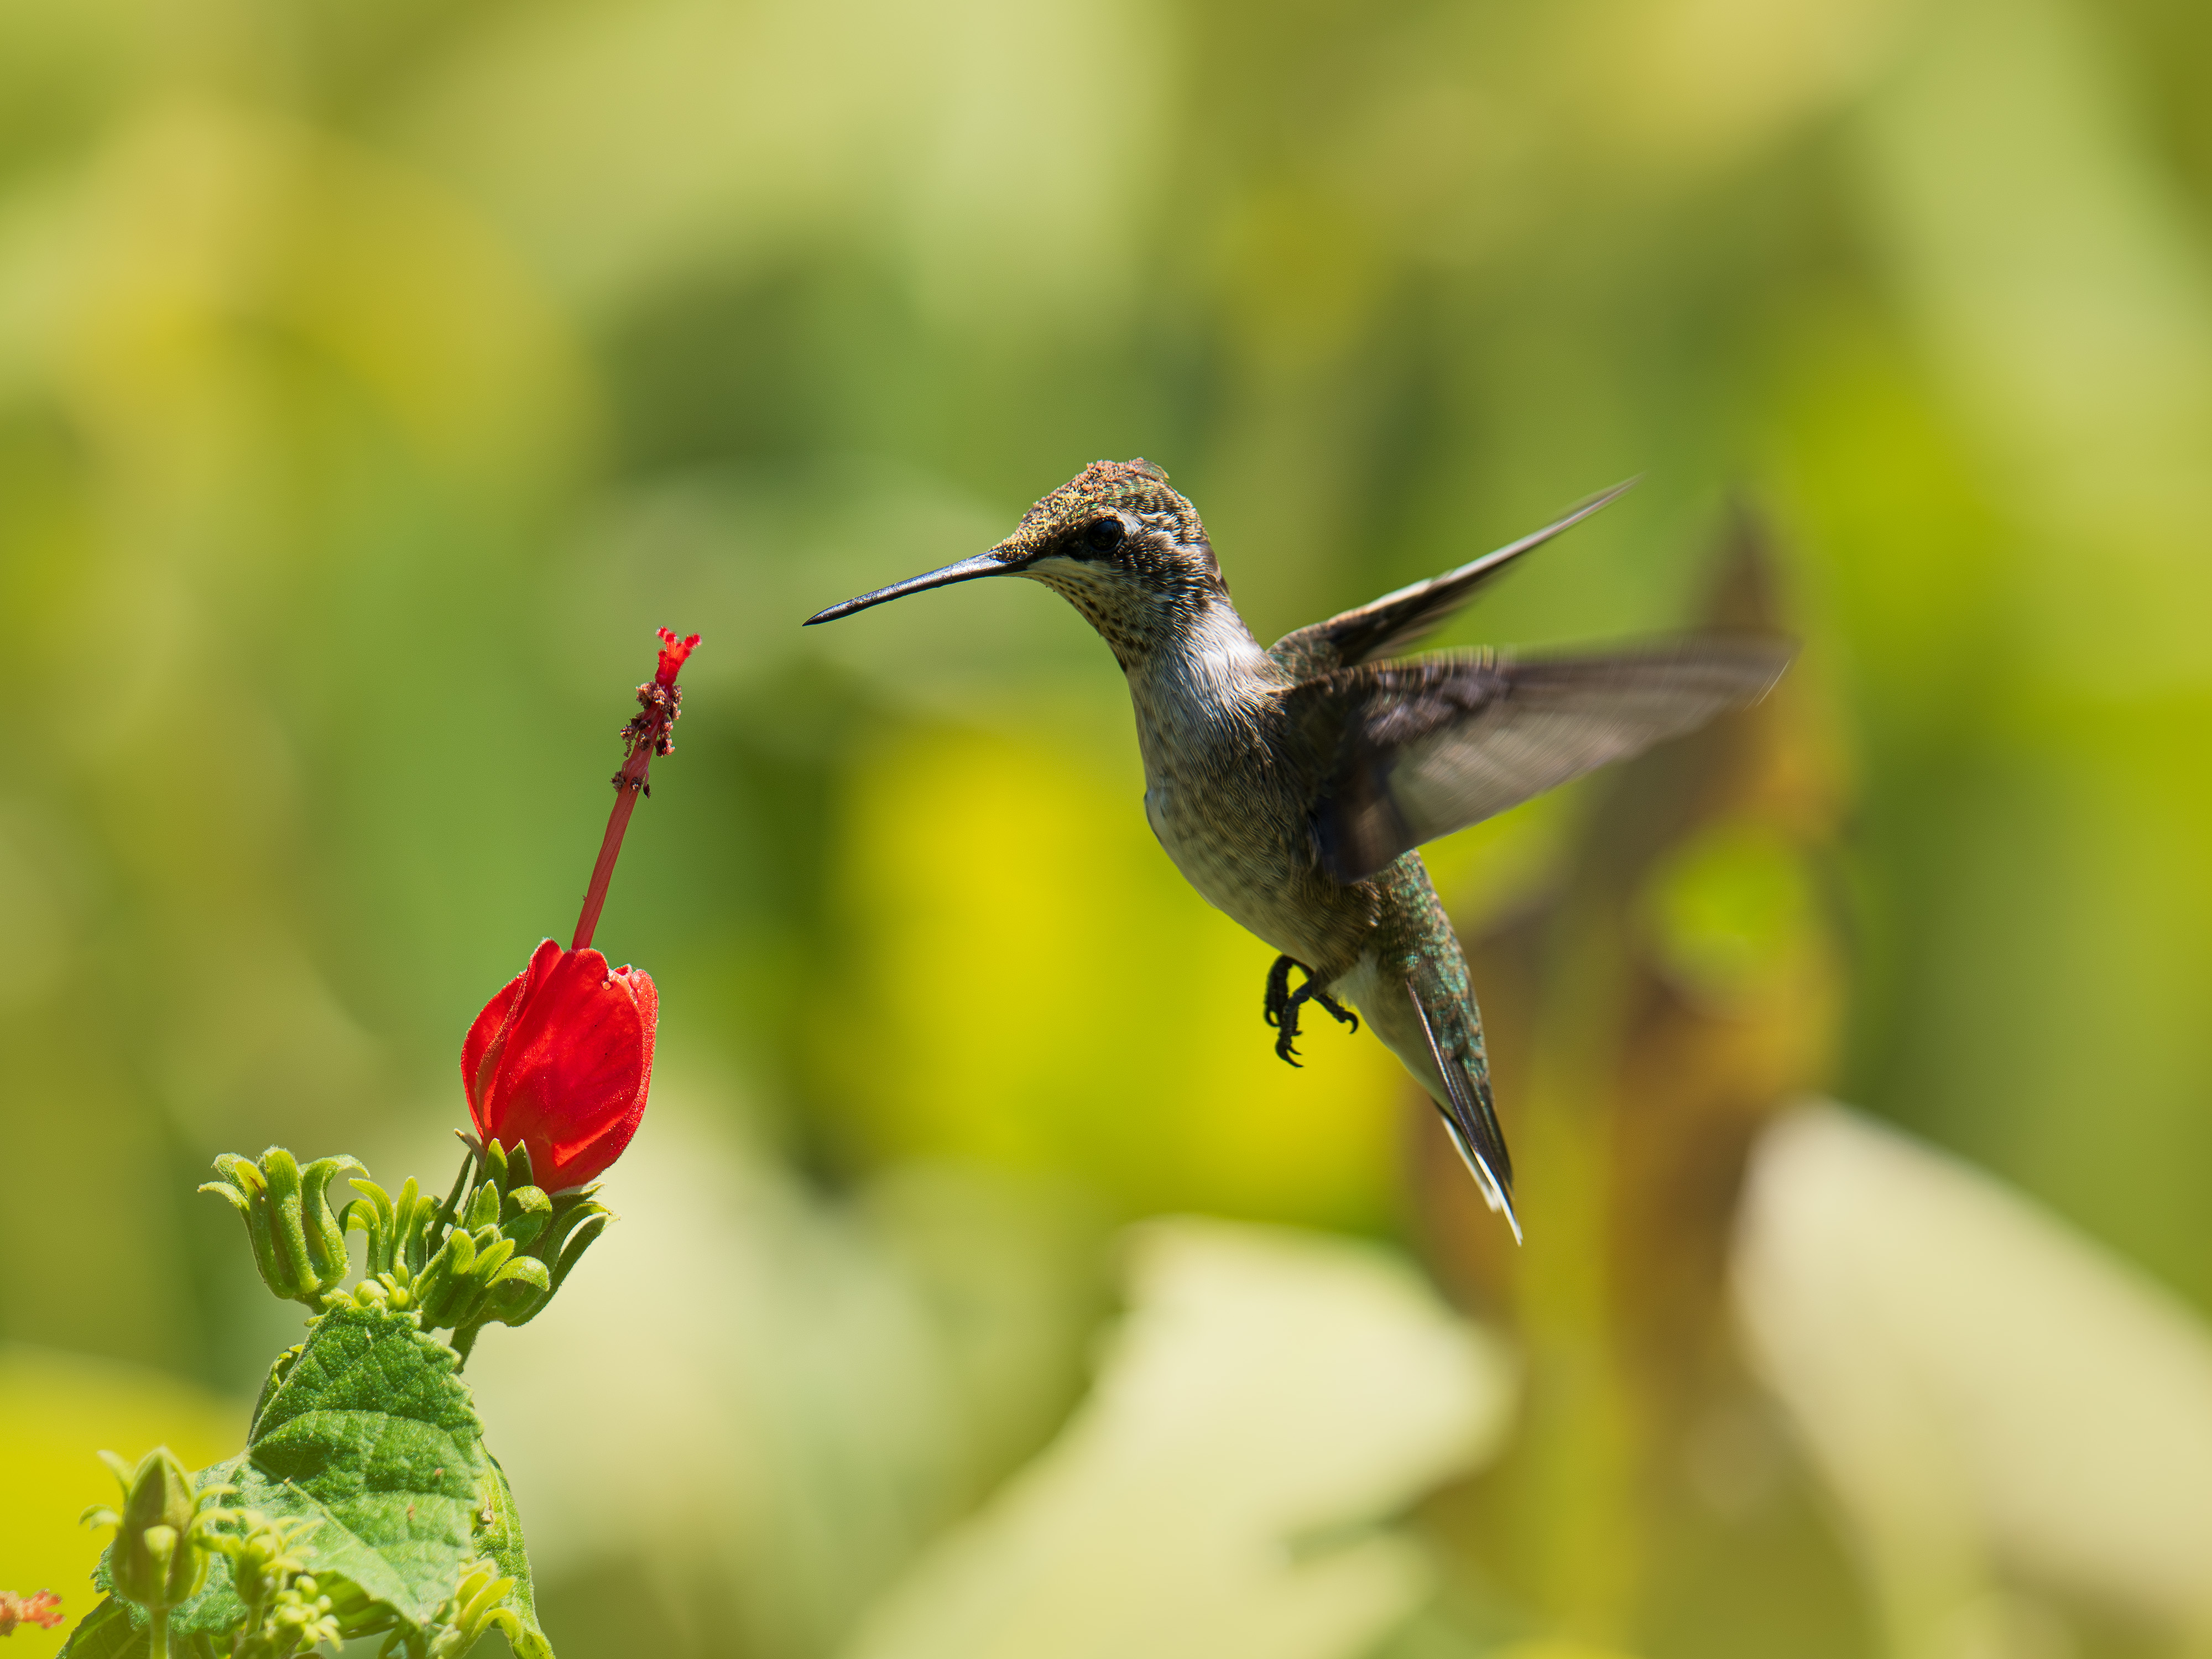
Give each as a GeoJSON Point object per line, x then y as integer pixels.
{"type": "Point", "coordinates": [1103, 536]}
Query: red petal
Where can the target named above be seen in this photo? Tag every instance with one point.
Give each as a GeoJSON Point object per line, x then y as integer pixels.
{"type": "Point", "coordinates": [481, 1050]}
{"type": "Point", "coordinates": [574, 1067]}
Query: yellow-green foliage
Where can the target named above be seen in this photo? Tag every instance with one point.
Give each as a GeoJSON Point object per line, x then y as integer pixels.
{"type": "Point", "coordinates": [376, 375]}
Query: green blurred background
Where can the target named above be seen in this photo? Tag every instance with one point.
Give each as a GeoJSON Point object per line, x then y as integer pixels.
{"type": "Point", "coordinates": [376, 375]}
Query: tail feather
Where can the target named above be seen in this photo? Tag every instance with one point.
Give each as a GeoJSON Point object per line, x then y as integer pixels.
{"type": "Point", "coordinates": [1470, 1118]}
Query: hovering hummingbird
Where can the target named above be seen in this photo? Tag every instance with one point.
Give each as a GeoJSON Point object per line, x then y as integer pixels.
{"type": "Point", "coordinates": [1292, 784]}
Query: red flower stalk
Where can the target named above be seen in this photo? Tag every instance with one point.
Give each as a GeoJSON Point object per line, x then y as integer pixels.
{"type": "Point", "coordinates": [659, 703]}
{"type": "Point", "coordinates": [562, 1059]}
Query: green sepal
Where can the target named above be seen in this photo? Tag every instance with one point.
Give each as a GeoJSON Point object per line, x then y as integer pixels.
{"type": "Point", "coordinates": [440, 1287]}
{"type": "Point", "coordinates": [415, 1214]}
{"type": "Point", "coordinates": [492, 1253]}
{"type": "Point", "coordinates": [458, 1266]}
{"type": "Point", "coordinates": [299, 1245]}
{"type": "Point", "coordinates": [504, 1167]}
{"type": "Point", "coordinates": [321, 1230]}
{"type": "Point", "coordinates": [491, 1164]}
{"type": "Point", "coordinates": [524, 1273]}
{"type": "Point", "coordinates": [483, 1208]}
{"type": "Point", "coordinates": [525, 1212]}
{"type": "Point", "coordinates": [398, 1229]}
{"type": "Point", "coordinates": [374, 1215]}
{"type": "Point", "coordinates": [521, 1241]}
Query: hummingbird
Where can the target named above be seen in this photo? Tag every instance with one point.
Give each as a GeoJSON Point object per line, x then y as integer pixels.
{"type": "Point", "coordinates": [1292, 784]}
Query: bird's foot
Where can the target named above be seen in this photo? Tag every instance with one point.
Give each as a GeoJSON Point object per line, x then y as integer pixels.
{"type": "Point", "coordinates": [1282, 1005]}
{"type": "Point", "coordinates": [1280, 1011]}
{"type": "Point", "coordinates": [1278, 989]}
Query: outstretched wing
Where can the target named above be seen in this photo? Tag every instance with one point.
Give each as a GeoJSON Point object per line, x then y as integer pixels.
{"type": "Point", "coordinates": [1395, 621]}
{"type": "Point", "coordinates": [1417, 750]}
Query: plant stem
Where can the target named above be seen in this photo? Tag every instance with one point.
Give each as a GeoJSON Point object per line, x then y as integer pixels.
{"type": "Point", "coordinates": [157, 1634]}
{"type": "Point", "coordinates": [627, 790]}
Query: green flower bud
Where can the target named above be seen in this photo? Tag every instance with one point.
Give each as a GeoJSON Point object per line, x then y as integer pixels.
{"type": "Point", "coordinates": [441, 1287]}
{"type": "Point", "coordinates": [160, 1556]}
{"type": "Point", "coordinates": [493, 1253]}
{"type": "Point", "coordinates": [478, 1602]}
{"type": "Point", "coordinates": [299, 1245]}
{"type": "Point", "coordinates": [289, 1608]}
{"type": "Point", "coordinates": [265, 1556]}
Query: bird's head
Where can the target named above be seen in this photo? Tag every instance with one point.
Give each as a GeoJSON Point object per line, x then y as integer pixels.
{"type": "Point", "coordinates": [1122, 546]}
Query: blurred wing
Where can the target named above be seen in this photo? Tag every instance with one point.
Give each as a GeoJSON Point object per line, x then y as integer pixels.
{"type": "Point", "coordinates": [1395, 621]}
{"type": "Point", "coordinates": [1423, 747]}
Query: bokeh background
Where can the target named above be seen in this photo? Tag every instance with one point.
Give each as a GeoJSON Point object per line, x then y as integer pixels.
{"type": "Point", "coordinates": [376, 375]}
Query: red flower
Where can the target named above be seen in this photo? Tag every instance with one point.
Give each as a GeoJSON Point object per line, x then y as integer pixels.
{"type": "Point", "coordinates": [43, 1608]}
{"type": "Point", "coordinates": [560, 1061]}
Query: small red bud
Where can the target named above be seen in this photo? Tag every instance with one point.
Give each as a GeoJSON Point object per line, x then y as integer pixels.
{"type": "Point", "coordinates": [561, 1061]}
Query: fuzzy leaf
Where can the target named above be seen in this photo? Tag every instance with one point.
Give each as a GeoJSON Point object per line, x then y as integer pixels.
{"type": "Point", "coordinates": [370, 1433]}
{"type": "Point", "coordinates": [502, 1542]}
{"type": "Point", "coordinates": [106, 1632]}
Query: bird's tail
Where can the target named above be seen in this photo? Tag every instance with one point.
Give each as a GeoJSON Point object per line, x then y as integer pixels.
{"type": "Point", "coordinates": [1416, 993]}
{"type": "Point", "coordinates": [1452, 1030]}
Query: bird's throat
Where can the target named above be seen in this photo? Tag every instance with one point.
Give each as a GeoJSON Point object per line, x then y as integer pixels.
{"type": "Point", "coordinates": [1204, 671]}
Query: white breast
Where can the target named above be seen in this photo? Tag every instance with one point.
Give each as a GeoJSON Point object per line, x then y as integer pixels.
{"type": "Point", "coordinates": [1197, 723]}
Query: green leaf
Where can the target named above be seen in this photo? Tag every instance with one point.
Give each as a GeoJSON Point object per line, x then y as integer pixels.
{"type": "Point", "coordinates": [370, 1433]}
{"type": "Point", "coordinates": [502, 1542]}
{"type": "Point", "coordinates": [372, 1423]}
{"type": "Point", "coordinates": [107, 1632]}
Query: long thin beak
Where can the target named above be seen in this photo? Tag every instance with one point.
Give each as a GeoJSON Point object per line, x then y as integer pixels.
{"type": "Point", "coordinates": [983, 564]}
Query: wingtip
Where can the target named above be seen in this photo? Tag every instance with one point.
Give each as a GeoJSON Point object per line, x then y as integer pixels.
{"type": "Point", "coordinates": [1592, 504]}
{"type": "Point", "coordinates": [1766, 656]}
{"type": "Point", "coordinates": [1564, 522]}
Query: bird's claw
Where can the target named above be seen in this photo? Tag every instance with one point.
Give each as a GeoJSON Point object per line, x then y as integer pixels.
{"type": "Point", "coordinates": [1281, 1008]}
{"type": "Point", "coordinates": [1279, 991]}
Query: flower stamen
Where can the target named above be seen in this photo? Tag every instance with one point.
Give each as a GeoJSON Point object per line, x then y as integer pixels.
{"type": "Point", "coordinates": [647, 734]}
